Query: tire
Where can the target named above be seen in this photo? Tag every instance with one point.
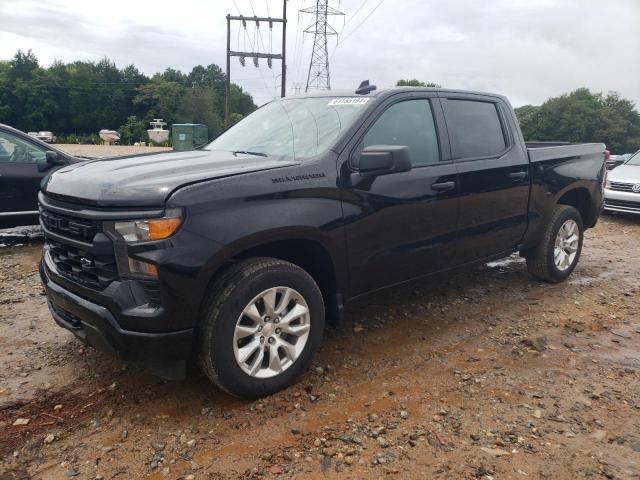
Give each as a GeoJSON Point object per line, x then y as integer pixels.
{"type": "Point", "coordinates": [541, 261]}
{"type": "Point", "coordinates": [223, 321]}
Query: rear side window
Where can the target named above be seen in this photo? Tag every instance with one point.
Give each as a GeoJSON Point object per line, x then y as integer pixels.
{"type": "Point", "coordinates": [408, 123]}
{"type": "Point", "coordinates": [475, 129]}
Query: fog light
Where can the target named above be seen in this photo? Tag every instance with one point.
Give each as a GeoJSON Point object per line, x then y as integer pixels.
{"type": "Point", "coordinates": [142, 268]}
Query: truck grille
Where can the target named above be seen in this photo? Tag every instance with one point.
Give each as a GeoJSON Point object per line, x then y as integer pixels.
{"type": "Point", "coordinates": [93, 266]}
{"type": "Point", "coordinates": [84, 253]}
{"type": "Point", "coordinates": [76, 228]}
{"type": "Point", "coordinates": [92, 271]}
{"type": "Point", "coordinates": [621, 186]}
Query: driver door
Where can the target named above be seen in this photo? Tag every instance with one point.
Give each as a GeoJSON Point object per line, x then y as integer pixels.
{"type": "Point", "coordinates": [21, 170]}
{"type": "Point", "coordinates": [403, 225]}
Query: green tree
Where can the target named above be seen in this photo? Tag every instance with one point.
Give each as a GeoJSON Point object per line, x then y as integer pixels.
{"type": "Point", "coordinates": [133, 131]}
{"type": "Point", "coordinates": [198, 105]}
{"type": "Point", "coordinates": [235, 118]}
{"type": "Point", "coordinates": [529, 118]}
{"type": "Point", "coordinates": [160, 99]}
{"type": "Point", "coordinates": [75, 100]}
{"type": "Point", "coordinates": [23, 66]}
{"type": "Point", "coordinates": [416, 83]}
{"type": "Point", "coordinates": [172, 75]}
{"type": "Point", "coordinates": [240, 101]}
{"type": "Point", "coordinates": [26, 101]}
{"type": "Point", "coordinates": [619, 126]}
{"type": "Point", "coordinates": [583, 116]}
{"type": "Point", "coordinates": [209, 76]}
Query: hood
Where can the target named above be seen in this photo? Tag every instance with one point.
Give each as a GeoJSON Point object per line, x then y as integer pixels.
{"type": "Point", "coordinates": [147, 181]}
{"type": "Point", "coordinates": [625, 173]}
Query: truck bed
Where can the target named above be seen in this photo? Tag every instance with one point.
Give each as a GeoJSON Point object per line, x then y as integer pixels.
{"type": "Point", "coordinates": [541, 151]}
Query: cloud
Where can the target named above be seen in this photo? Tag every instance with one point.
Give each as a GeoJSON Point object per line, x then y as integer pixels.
{"type": "Point", "coordinates": [528, 50]}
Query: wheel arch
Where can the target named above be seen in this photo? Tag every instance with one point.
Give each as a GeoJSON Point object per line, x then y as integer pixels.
{"type": "Point", "coordinates": [580, 198]}
{"type": "Point", "coordinates": [313, 251]}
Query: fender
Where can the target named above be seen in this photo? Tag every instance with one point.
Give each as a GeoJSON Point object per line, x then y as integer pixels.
{"type": "Point", "coordinates": [544, 200]}
{"type": "Point", "coordinates": [289, 234]}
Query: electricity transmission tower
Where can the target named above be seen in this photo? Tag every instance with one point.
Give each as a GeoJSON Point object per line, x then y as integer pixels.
{"type": "Point", "coordinates": [318, 76]}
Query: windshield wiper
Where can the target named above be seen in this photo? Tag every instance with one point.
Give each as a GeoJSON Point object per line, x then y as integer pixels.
{"type": "Point", "coordinates": [244, 152]}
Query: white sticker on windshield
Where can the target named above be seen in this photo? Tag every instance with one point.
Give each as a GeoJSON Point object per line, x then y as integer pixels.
{"type": "Point", "coordinates": [348, 101]}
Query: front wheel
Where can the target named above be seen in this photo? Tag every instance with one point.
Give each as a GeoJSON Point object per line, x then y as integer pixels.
{"type": "Point", "coordinates": [555, 258]}
{"type": "Point", "coordinates": [262, 322]}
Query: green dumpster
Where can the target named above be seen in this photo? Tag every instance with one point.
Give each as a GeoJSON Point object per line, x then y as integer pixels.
{"type": "Point", "coordinates": [187, 136]}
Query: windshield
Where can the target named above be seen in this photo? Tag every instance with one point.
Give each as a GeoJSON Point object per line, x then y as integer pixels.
{"type": "Point", "coordinates": [635, 160]}
{"type": "Point", "coordinates": [295, 128]}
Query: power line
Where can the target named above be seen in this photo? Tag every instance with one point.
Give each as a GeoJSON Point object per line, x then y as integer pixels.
{"type": "Point", "coordinates": [255, 54]}
{"type": "Point", "coordinates": [259, 34]}
{"type": "Point", "coordinates": [295, 48]}
{"type": "Point", "coordinates": [364, 20]}
{"type": "Point", "coordinates": [298, 47]}
{"type": "Point", "coordinates": [250, 42]}
{"type": "Point", "coordinates": [357, 27]}
{"type": "Point", "coordinates": [249, 38]}
{"type": "Point", "coordinates": [354, 15]}
{"type": "Point", "coordinates": [356, 12]}
{"type": "Point", "coordinates": [347, 20]}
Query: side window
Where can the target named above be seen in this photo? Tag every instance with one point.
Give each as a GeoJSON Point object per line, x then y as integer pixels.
{"type": "Point", "coordinates": [475, 128]}
{"type": "Point", "coordinates": [13, 149]}
{"type": "Point", "coordinates": [409, 123]}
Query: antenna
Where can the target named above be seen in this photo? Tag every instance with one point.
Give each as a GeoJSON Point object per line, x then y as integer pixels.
{"type": "Point", "coordinates": [365, 88]}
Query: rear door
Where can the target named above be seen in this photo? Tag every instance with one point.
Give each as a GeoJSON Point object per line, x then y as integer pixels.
{"type": "Point", "coordinates": [493, 171]}
{"type": "Point", "coordinates": [402, 225]}
{"type": "Point", "coordinates": [21, 170]}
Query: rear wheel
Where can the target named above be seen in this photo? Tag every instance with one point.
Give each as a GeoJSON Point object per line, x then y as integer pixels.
{"type": "Point", "coordinates": [263, 320]}
{"type": "Point", "coordinates": [557, 255]}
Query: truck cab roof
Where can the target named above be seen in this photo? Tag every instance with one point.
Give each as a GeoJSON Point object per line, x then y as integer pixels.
{"type": "Point", "coordinates": [386, 92]}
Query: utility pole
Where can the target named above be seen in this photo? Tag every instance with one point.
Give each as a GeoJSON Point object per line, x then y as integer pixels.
{"type": "Point", "coordinates": [318, 76]}
{"type": "Point", "coordinates": [283, 89]}
{"type": "Point", "coordinates": [255, 55]}
{"type": "Point", "coordinates": [227, 81]}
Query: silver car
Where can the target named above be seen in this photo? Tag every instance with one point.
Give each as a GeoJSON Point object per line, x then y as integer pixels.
{"type": "Point", "coordinates": [622, 191]}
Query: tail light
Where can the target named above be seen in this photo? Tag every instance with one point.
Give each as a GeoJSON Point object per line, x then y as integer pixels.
{"type": "Point", "coordinates": [607, 155]}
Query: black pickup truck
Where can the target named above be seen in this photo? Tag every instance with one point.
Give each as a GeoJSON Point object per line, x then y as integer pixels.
{"type": "Point", "coordinates": [236, 252]}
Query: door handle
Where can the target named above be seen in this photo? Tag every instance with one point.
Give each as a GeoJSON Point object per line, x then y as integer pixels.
{"type": "Point", "coordinates": [517, 175]}
{"type": "Point", "coordinates": [443, 187]}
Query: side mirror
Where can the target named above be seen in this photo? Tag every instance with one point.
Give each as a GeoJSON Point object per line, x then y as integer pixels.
{"type": "Point", "coordinates": [383, 159]}
{"type": "Point", "coordinates": [52, 158]}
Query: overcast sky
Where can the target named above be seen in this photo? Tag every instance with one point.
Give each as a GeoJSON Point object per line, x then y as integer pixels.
{"type": "Point", "coordinates": [528, 50]}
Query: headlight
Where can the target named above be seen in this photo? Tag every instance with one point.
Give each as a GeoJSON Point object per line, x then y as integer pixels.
{"type": "Point", "coordinates": [130, 232]}
{"type": "Point", "coordinates": [145, 230]}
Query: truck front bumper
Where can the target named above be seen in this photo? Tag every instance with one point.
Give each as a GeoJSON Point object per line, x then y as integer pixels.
{"type": "Point", "coordinates": [163, 353]}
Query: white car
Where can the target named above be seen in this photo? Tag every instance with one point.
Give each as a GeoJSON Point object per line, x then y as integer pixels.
{"type": "Point", "coordinates": [622, 190]}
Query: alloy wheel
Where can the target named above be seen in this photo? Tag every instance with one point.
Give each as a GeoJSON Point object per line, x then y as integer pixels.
{"type": "Point", "coordinates": [271, 332]}
{"type": "Point", "coordinates": [566, 246]}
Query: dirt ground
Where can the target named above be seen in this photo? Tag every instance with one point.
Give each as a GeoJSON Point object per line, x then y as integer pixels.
{"type": "Point", "coordinates": [101, 151]}
{"type": "Point", "coordinates": [480, 374]}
